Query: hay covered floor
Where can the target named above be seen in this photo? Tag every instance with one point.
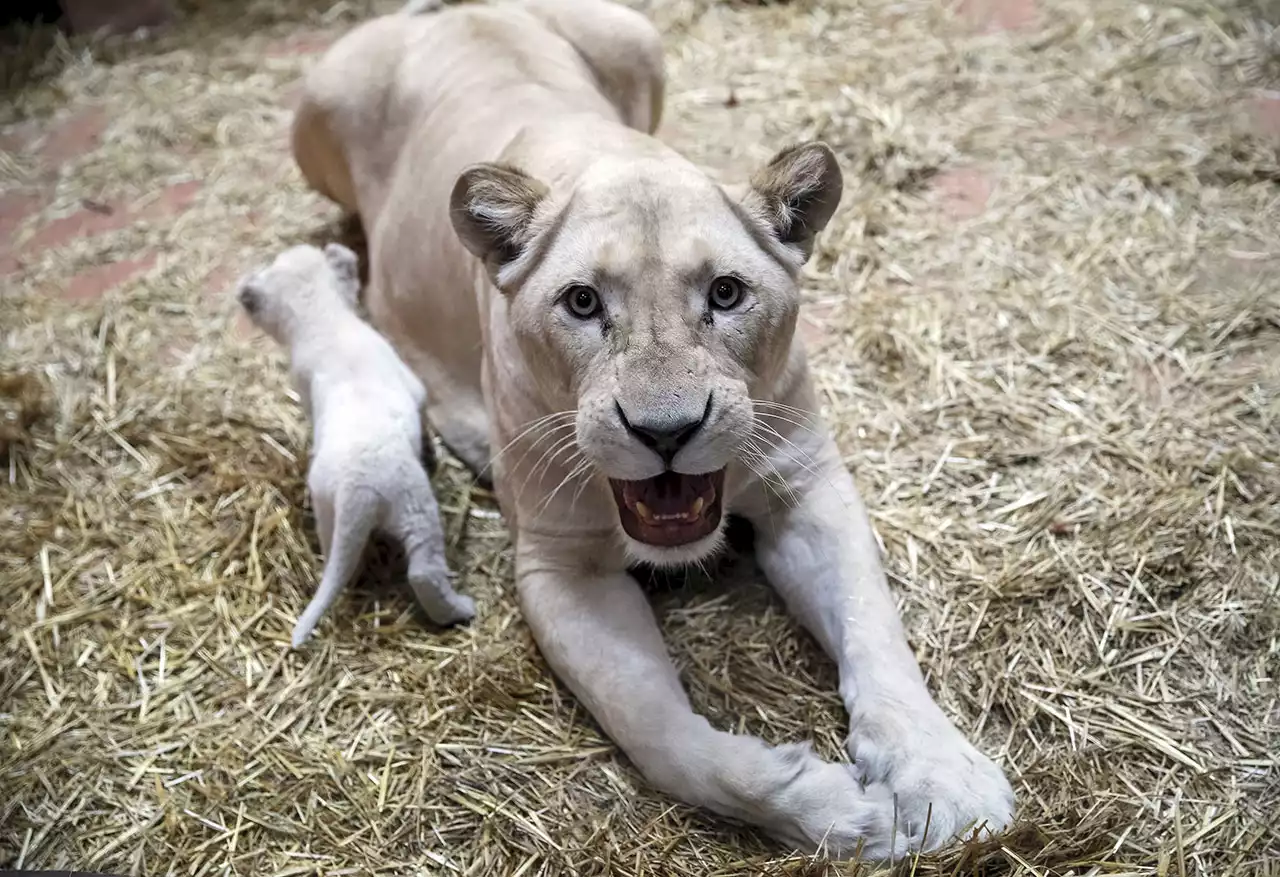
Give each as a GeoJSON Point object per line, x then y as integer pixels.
{"type": "Point", "coordinates": [1048, 334]}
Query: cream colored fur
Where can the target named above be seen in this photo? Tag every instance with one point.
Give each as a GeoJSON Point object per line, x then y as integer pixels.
{"type": "Point", "coordinates": [365, 405]}
{"type": "Point", "coordinates": [500, 157]}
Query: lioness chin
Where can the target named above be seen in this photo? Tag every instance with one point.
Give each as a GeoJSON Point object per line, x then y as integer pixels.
{"type": "Point", "coordinates": [612, 333]}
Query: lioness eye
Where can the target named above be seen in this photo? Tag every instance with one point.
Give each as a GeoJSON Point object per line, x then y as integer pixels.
{"type": "Point", "coordinates": [583, 301]}
{"type": "Point", "coordinates": [725, 294]}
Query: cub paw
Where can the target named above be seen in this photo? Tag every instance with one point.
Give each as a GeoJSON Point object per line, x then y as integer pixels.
{"type": "Point", "coordinates": [944, 786]}
{"type": "Point", "coordinates": [432, 584]}
{"type": "Point", "coordinates": [454, 609]}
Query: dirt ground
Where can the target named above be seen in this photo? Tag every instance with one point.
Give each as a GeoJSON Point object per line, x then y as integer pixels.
{"type": "Point", "coordinates": [1046, 323]}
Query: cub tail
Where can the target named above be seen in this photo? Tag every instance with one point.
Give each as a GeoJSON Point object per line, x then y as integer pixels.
{"type": "Point", "coordinates": [354, 516]}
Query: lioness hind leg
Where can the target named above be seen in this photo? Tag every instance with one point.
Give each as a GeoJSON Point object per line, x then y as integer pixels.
{"type": "Point", "coordinates": [318, 154]}
{"type": "Point", "coordinates": [464, 431]}
{"type": "Point", "coordinates": [621, 47]}
{"type": "Point", "coordinates": [343, 99]}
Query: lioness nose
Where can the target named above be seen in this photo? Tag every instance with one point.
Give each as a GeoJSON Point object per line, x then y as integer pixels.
{"type": "Point", "coordinates": [665, 435]}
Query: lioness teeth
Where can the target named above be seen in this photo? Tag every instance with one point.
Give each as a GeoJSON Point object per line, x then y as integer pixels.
{"type": "Point", "coordinates": [646, 514]}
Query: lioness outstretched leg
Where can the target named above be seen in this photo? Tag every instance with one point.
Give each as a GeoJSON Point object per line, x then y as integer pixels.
{"type": "Point", "coordinates": [820, 554]}
{"type": "Point", "coordinates": [598, 633]}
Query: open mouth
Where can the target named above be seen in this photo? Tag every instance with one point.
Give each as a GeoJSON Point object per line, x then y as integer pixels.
{"type": "Point", "coordinates": [670, 509]}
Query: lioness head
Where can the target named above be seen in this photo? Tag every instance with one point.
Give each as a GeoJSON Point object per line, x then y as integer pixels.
{"type": "Point", "coordinates": [657, 306]}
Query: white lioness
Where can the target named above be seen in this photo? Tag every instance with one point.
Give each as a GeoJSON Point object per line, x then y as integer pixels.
{"type": "Point", "coordinates": [619, 330]}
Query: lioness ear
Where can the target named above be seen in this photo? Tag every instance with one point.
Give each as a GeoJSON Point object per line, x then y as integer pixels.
{"type": "Point", "coordinates": [492, 208]}
{"type": "Point", "coordinates": [796, 193]}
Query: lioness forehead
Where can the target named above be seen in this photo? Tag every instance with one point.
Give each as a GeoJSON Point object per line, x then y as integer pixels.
{"type": "Point", "coordinates": [617, 257]}
{"type": "Point", "coordinates": [648, 220]}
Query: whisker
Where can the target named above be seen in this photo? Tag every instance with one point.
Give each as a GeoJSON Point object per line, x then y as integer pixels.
{"type": "Point", "coordinates": [784, 419]}
{"type": "Point", "coordinates": [548, 435]}
{"type": "Point", "coordinates": [701, 564]}
{"type": "Point", "coordinates": [767, 477]}
{"type": "Point", "coordinates": [577, 471]}
{"type": "Point", "coordinates": [567, 443]}
{"type": "Point", "coordinates": [788, 409]}
{"type": "Point", "coordinates": [773, 472]}
{"type": "Point", "coordinates": [810, 421]}
{"type": "Point", "coordinates": [545, 460]}
{"type": "Point", "coordinates": [811, 466]}
{"type": "Point", "coordinates": [807, 463]}
{"type": "Point", "coordinates": [794, 497]}
{"type": "Point", "coordinates": [764, 481]}
{"type": "Point", "coordinates": [545, 420]}
{"type": "Point", "coordinates": [578, 493]}
{"type": "Point", "coordinates": [767, 482]}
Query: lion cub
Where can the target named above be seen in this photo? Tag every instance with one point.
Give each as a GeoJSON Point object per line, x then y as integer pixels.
{"type": "Point", "coordinates": [365, 407]}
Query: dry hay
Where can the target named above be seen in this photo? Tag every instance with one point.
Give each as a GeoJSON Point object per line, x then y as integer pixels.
{"type": "Point", "coordinates": [1063, 410]}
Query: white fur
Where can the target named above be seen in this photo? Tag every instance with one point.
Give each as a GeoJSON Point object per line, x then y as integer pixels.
{"type": "Point", "coordinates": [675, 558]}
{"type": "Point", "coordinates": [366, 409]}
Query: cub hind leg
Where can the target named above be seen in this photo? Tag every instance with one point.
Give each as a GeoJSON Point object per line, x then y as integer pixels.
{"type": "Point", "coordinates": [414, 519]}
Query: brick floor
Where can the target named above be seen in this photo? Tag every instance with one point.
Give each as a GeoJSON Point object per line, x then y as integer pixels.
{"type": "Point", "coordinates": [93, 282]}
{"type": "Point", "coordinates": [73, 136]}
{"type": "Point", "coordinates": [16, 207]}
{"type": "Point", "coordinates": [99, 218]}
{"type": "Point", "coordinates": [963, 192]}
{"type": "Point", "coordinates": [26, 229]}
{"type": "Point", "coordinates": [116, 16]}
{"type": "Point", "coordinates": [299, 44]}
{"type": "Point", "coordinates": [1264, 112]}
{"type": "Point", "coordinates": [998, 15]}
{"type": "Point", "coordinates": [814, 325]}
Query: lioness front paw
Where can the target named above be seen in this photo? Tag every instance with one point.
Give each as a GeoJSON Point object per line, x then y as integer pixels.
{"type": "Point", "coordinates": [944, 786]}
{"type": "Point", "coordinates": [823, 808]}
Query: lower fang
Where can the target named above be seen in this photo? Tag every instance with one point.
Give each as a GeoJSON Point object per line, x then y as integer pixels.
{"type": "Point", "coordinates": [643, 511]}
{"type": "Point", "coordinates": [697, 507]}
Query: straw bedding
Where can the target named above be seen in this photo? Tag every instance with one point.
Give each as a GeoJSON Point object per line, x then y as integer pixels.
{"type": "Point", "coordinates": [1048, 337]}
